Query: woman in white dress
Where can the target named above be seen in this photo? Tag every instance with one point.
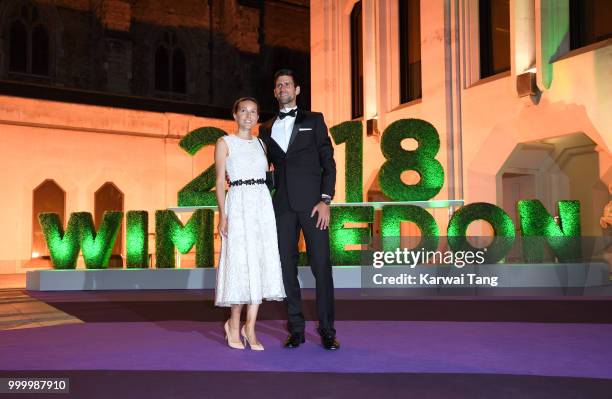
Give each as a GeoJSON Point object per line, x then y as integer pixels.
{"type": "Point", "coordinates": [249, 265]}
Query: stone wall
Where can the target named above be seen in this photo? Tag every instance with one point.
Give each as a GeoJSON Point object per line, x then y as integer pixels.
{"type": "Point", "coordinates": [231, 47]}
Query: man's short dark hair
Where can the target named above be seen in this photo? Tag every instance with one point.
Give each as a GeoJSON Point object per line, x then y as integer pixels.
{"type": "Point", "coordinates": [286, 72]}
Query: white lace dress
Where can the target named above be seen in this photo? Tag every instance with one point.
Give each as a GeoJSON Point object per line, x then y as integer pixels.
{"type": "Point", "coordinates": [249, 265]}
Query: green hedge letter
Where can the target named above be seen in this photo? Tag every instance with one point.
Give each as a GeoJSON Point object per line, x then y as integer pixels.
{"type": "Point", "coordinates": [539, 227]}
{"type": "Point", "coordinates": [198, 191]}
{"type": "Point", "coordinates": [63, 247]}
{"type": "Point", "coordinates": [137, 241]}
{"type": "Point", "coordinates": [503, 229]}
{"type": "Point", "coordinates": [341, 236]}
{"type": "Point", "coordinates": [420, 160]}
{"type": "Point", "coordinates": [393, 215]}
{"type": "Point", "coordinates": [351, 133]}
{"type": "Point", "coordinates": [171, 233]}
{"type": "Point", "coordinates": [96, 246]}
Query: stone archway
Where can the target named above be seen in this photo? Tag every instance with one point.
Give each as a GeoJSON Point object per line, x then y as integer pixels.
{"type": "Point", "coordinates": [109, 198]}
{"type": "Point", "coordinates": [47, 197]}
{"type": "Point", "coordinates": [553, 169]}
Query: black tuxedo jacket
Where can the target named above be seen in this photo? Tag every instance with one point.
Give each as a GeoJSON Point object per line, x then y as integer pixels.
{"type": "Point", "coordinates": [308, 168]}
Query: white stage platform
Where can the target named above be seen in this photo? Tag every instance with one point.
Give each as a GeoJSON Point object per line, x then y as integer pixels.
{"type": "Point", "coordinates": [561, 276]}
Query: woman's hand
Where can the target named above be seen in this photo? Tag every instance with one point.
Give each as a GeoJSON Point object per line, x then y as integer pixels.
{"type": "Point", "coordinates": [222, 227]}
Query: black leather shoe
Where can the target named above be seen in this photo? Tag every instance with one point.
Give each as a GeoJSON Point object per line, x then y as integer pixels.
{"type": "Point", "coordinates": [330, 342]}
{"type": "Point", "coordinates": [294, 340]}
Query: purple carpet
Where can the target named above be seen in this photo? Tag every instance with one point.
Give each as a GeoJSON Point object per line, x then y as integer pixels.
{"type": "Point", "coordinates": [536, 349]}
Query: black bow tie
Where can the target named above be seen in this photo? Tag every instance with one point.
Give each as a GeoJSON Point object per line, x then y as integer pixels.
{"type": "Point", "coordinates": [282, 115]}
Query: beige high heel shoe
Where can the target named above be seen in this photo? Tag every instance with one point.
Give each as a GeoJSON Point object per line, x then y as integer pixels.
{"type": "Point", "coordinates": [254, 347]}
{"type": "Point", "coordinates": [235, 345]}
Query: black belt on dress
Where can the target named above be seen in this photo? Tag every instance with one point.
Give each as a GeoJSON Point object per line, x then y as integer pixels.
{"type": "Point", "coordinates": [248, 182]}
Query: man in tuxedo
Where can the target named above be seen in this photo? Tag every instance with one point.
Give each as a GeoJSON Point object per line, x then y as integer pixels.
{"type": "Point", "coordinates": [300, 149]}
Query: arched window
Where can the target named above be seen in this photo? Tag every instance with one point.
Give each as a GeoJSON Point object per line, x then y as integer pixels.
{"type": "Point", "coordinates": [109, 198]}
{"type": "Point", "coordinates": [410, 50]}
{"type": "Point", "coordinates": [40, 51]}
{"type": "Point", "coordinates": [356, 61]}
{"type": "Point", "coordinates": [48, 197]}
{"type": "Point", "coordinates": [162, 69]}
{"type": "Point", "coordinates": [494, 26]}
{"type": "Point", "coordinates": [18, 47]}
{"type": "Point", "coordinates": [170, 66]}
{"type": "Point", "coordinates": [590, 22]}
{"type": "Point", "coordinates": [178, 71]}
{"type": "Point", "coordinates": [28, 42]}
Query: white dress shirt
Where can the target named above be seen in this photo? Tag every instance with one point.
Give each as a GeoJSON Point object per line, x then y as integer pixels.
{"type": "Point", "coordinates": [282, 128]}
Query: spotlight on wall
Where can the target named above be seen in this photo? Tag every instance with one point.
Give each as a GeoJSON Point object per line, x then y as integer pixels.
{"type": "Point", "coordinates": [527, 84]}
{"type": "Point", "coordinates": [372, 127]}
